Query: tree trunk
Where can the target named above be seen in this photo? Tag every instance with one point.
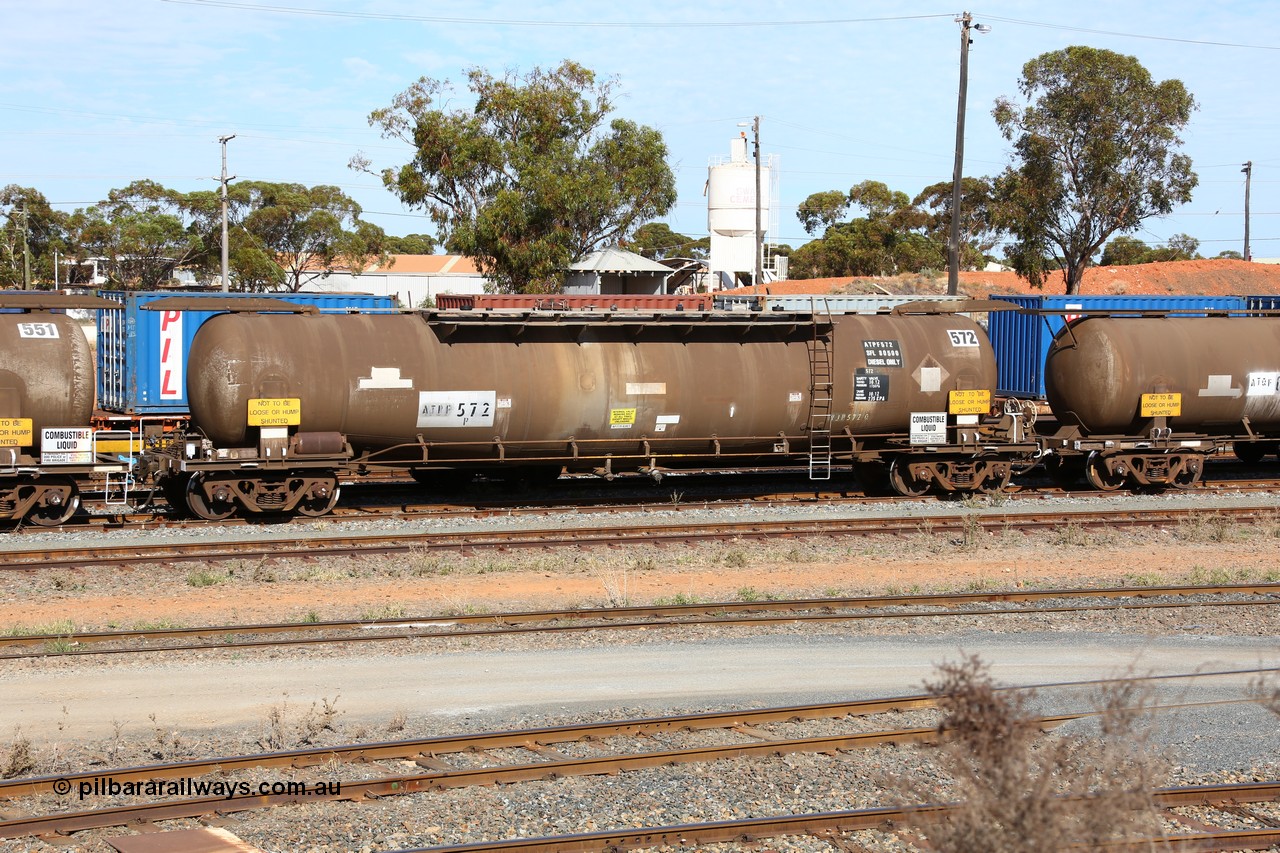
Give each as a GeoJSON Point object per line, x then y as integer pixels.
{"type": "Point", "coordinates": [1074, 276]}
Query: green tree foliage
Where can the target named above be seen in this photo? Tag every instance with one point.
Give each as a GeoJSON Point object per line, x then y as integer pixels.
{"type": "Point", "coordinates": [1181, 247]}
{"type": "Point", "coordinates": [142, 232]}
{"type": "Point", "coordinates": [656, 240]}
{"type": "Point", "coordinates": [282, 236]}
{"type": "Point", "coordinates": [889, 239]}
{"type": "Point", "coordinates": [978, 232]}
{"type": "Point", "coordinates": [1125, 251]}
{"type": "Point", "coordinates": [528, 180]}
{"type": "Point", "coordinates": [307, 231]}
{"type": "Point", "coordinates": [411, 244]}
{"type": "Point", "coordinates": [1095, 147]}
{"type": "Point", "coordinates": [45, 233]}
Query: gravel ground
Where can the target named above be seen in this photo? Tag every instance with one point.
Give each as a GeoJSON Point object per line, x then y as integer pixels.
{"type": "Point", "coordinates": [1220, 744]}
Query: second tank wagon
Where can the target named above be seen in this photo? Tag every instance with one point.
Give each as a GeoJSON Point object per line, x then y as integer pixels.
{"type": "Point", "coordinates": [905, 396]}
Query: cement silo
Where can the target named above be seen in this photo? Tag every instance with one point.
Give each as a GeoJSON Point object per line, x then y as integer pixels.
{"type": "Point", "coordinates": [731, 212]}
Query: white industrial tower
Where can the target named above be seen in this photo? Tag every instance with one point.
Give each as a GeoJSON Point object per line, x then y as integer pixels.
{"type": "Point", "coordinates": [732, 215]}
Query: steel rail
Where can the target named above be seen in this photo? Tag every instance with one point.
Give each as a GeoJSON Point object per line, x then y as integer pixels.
{"type": "Point", "coordinates": [423, 628]}
{"type": "Point", "coordinates": [357, 753]}
{"type": "Point", "coordinates": [522, 738]}
{"type": "Point", "coordinates": [604, 535]}
{"type": "Point", "coordinates": [827, 823]}
{"type": "Point", "coordinates": [560, 505]}
{"type": "Point", "coordinates": [668, 611]}
{"type": "Point", "coordinates": [632, 838]}
{"type": "Point", "coordinates": [444, 779]}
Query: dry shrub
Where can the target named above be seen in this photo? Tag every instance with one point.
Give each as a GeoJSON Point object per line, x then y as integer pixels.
{"type": "Point", "coordinates": [16, 758]}
{"type": "Point", "coordinates": [1021, 792]}
{"type": "Point", "coordinates": [280, 733]}
{"type": "Point", "coordinates": [1266, 692]}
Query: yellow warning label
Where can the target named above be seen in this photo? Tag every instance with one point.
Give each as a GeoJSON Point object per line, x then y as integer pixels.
{"type": "Point", "coordinates": [283, 411]}
{"type": "Point", "coordinates": [15, 432]}
{"type": "Point", "coordinates": [622, 417]}
{"type": "Point", "coordinates": [1161, 405]}
{"type": "Point", "coordinates": [969, 402]}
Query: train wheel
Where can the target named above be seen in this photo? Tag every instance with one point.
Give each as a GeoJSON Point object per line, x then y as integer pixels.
{"type": "Point", "coordinates": [67, 502]}
{"type": "Point", "coordinates": [996, 483]}
{"type": "Point", "coordinates": [210, 509]}
{"type": "Point", "coordinates": [1249, 452]}
{"type": "Point", "coordinates": [321, 500]}
{"type": "Point", "coordinates": [1190, 475]}
{"type": "Point", "coordinates": [902, 481]}
{"type": "Point", "coordinates": [1096, 472]}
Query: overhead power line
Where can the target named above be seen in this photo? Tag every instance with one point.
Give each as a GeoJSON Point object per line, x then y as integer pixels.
{"type": "Point", "coordinates": [1147, 36]}
{"type": "Point", "coordinates": [673, 24]}
{"type": "Point", "coordinates": [518, 22]}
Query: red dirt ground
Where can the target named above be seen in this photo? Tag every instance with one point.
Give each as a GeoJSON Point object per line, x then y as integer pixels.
{"type": "Point", "coordinates": [1210, 277]}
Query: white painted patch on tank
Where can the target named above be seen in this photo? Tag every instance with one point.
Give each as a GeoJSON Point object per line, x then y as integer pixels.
{"type": "Point", "coordinates": [384, 378]}
{"type": "Point", "coordinates": [930, 379]}
{"type": "Point", "coordinates": [1220, 386]}
{"type": "Point", "coordinates": [638, 389]}
{"type": "Point", "coordinates": [456, 409]}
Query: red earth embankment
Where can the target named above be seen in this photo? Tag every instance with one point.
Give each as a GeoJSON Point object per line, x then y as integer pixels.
{"type": "Point", "coordinates": [1214, 277]}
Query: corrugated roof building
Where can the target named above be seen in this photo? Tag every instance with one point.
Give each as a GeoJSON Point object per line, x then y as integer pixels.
{"type": "Point", "coordinates": [618, 272]}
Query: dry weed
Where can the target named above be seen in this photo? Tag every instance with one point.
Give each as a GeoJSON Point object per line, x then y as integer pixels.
{"type": "Point", "coordinates": [280, 733]}
{"type": "Point", "coordinates": [1019, 792]}
{"type": "Point", "coordinates": [16, 758]}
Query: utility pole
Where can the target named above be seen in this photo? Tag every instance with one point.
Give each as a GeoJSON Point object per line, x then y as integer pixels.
{"type": "Point", "coordinates": [953, 241]}
{"type": "Point", "coordinates": [1248, 175]}
{"type": "Point", "coordinates": [226, 281]}
{"type": "Point", "coordinates": [759, 274]}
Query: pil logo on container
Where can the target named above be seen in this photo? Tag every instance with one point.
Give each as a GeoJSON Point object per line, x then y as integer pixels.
{"type": "Point", "coordinates": [171, 371]}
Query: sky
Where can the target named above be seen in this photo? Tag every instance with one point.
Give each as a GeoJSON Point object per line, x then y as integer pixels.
{"type": "Point", "coordinates": [95, 94]}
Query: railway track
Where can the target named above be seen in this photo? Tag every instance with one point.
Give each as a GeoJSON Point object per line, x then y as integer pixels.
{"type": "Point", "coordinates": [544, 761]}
{"type": "Point", "coordinates": [698, 497]}
{"type": "Point", "coordinates": [831, 825]}
{"type": "Point", "coordinates": [960, 524]}
{"type": "Point", "coordinates": [738, 613]}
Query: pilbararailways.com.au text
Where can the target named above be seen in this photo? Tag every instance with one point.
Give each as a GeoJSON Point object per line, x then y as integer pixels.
{"type": "Point", "coordinates": [105, 786]}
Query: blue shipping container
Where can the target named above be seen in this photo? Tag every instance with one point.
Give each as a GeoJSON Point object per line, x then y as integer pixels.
{"type": "Point", "coordinates": [1263, 302]}
{"type": "Point", "coordinates": [1021, 341]}
{"type": "Point", "coordinates": [142, 366]}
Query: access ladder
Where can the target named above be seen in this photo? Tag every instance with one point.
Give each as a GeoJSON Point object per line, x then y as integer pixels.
{"type": "Point", "coordinates": [821, 388]}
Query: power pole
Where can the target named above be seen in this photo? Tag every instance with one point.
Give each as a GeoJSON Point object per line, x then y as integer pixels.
{"type": "Point", "coordinates": [759, 274]}
{"type": "Point", "coordinates": [1248, 175]}
{"type": "Point", "coordinates": [953, 241]}
{"type": "Point", "coordinates": [226, 280]}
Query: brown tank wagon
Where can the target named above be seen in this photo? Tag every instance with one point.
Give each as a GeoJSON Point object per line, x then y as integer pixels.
{"type": "Point", "coordinates": [46, 404]}
{"type": "Point", "coordinates": [905, 396]}
{"type": "Point", "coordinates": [1144, 399]}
